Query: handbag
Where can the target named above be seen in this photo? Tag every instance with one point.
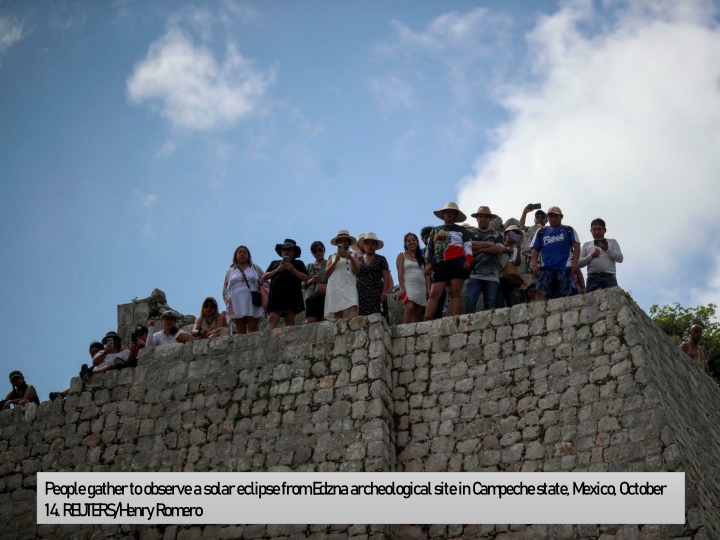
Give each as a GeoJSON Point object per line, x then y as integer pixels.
{"type": "Point", "coordinates": [264, 288]}
{"type": "Point", "coordinates": [512, 275]}
{"type": "Point", "coordinates": [265, 292]}
{"type": "Point", "coordinates": [255, 296]}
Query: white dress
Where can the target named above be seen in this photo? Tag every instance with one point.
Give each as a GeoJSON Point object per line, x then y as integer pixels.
{"type": "Point", "coordinates": [415, 282]}
{"type": "Point", "coordinates": [341, 291]}
{"type": "Point", "coordinates": [240, 294]}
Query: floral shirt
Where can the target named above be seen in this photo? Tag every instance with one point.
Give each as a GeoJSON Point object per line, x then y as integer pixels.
{"type": "Point", "coordinates": [448, 242]}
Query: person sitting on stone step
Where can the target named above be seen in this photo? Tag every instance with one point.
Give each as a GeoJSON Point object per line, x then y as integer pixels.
{"type": "Point", "coordinates": [211, 323]}
{"type": "Point", "coordinates": [169, 334]}
{"type": "Point", "coordinates": [111, 355]}
{"type": "Point", "coordinates": [22, 393]}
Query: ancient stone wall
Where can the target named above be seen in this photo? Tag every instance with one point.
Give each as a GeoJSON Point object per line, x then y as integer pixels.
{"type": "Point", "coordinates": [579, 384]}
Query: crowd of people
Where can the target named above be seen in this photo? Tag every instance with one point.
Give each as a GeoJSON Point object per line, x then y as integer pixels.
{"type": "Point", "coordinates": [355, 280]}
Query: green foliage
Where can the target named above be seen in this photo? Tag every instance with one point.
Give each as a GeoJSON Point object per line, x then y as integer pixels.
{"type": "Point", "coordinates": [676, 321]}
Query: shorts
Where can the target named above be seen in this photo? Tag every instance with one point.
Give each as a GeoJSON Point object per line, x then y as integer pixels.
{"type": "Point", "coordinates": [445, 271]}
{"type": "Point", "coordinates": [556, 283]}
{"type": "Point", "coordinates": [315, 306]}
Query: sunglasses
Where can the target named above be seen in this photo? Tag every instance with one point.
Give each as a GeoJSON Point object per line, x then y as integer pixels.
{"type": "Point", "coordinates": [319, 250]}
{"type": "Point", "coordinates": [209, 306]}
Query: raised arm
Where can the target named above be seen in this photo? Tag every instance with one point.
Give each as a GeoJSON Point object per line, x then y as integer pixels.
{"type": "Point", "coordinates": [527, 209]}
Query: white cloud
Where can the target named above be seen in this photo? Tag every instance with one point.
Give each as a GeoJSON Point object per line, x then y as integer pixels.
{"type": "Point", "coordinates": [619, 118]}
{"type": "Point", "coordinates": [191, 88]}
{"type": "Point", "coordinates": [11, 31]}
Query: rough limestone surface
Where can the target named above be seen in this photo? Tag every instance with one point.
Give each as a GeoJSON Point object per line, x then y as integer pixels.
{"type": "Point", "coordinates": [587, 383]}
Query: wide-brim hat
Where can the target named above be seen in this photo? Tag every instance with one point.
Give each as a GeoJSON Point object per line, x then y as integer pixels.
{"type": "Point", "coordinates": [342, 233]}
{"type": "Point", "coordinates": [109, 335]}
{"type": "Point", "coordinates": [459, 216]}
{"type": "Point", "coordinates": [484, 210]}
{"type": "Point", "coordinates": [356, 248]}
{"type": "Point", "coordinates": [288, 244]}
{"type": "Point", "coordinates": [371, 236]}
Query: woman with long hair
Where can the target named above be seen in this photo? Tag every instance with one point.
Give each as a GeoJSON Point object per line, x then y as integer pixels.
{"type": "Point", "coordinates": [414, 284]}
{"type": "Point", "coordinates": [241, 280]}
{"type": "Point", "coordinates": [211, 323]}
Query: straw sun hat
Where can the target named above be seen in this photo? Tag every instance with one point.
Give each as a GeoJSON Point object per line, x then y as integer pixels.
{"type": "Point", "coordinates": [342, 234]}
{"type": "Point", "coordinates": [370, 236]}
{"type": "Point", "coordinates": [459, 216]}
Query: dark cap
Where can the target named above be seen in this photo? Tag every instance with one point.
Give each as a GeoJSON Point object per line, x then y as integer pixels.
{"type": "Point", "coordinates": [14, 374]}
{"type": "Point", "coordinates": [140, 329]}
{"type": "Point", "coordinates": [540, 213]}
{"type": "Point", "coordinates": [109, 335]}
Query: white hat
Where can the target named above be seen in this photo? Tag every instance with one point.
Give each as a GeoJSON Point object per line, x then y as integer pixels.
{"type": "Point", "coordinates": [370, 236]}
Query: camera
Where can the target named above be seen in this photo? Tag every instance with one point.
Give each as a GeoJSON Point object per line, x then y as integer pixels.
{"type": "Point", "coordinates": [110, 343]}
{"type": "Point", "coordinates": [134, 337]}
{"type": "Point", "coordinates": [286, 259]}
{"type": "Point", "coordinates": [601, 241]}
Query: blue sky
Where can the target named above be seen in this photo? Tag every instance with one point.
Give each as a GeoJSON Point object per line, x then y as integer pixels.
{"type": "Point", "coordinates": [141, 142]}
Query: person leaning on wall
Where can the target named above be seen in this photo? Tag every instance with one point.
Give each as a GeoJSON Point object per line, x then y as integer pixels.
{"type": "Point", "coordinates": [169, 334]}
{"type": "Point", "coordinates": [211, 323]}
{"type": "Point", "coordinates": [22, 393]}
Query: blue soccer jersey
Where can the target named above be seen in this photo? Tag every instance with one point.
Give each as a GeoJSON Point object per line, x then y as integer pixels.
{"type": "Point", "coordinates": [555, 246]}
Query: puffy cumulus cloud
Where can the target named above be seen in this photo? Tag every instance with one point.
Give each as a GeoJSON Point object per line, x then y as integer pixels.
{"type": "Point", "coordinates": [193, 89]}
{"type": "Point", "coordinates": [619, 118]}
{"type": "Point", "coordinates": [11, 31]}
